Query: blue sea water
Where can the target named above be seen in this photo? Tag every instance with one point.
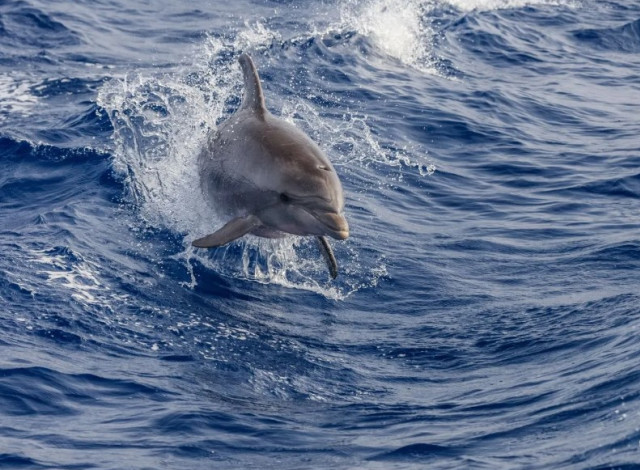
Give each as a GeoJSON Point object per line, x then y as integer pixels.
{"type": "Point", "coordinates": [486, 314]}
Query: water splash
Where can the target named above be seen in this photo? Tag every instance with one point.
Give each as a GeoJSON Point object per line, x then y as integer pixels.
{"type": "Point", "coordinates": [255, 35]}
{"type": "Point", "coordinates": [353, 140]}
{"type": "Point", "coordinates": [397, 27]}
{"type": "Point", "coordinates": [160, 123]}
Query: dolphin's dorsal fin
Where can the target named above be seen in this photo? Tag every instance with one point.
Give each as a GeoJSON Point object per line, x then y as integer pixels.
{"type": "Point", "coordinates": [253, 98]}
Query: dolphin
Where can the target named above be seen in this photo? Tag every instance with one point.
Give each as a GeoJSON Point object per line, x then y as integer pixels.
{"type": "Point", "coordinates": [269, 178]}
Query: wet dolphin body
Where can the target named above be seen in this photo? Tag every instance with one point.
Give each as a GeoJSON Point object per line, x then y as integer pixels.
{"type": "Point", "coordinates": [269, 178]}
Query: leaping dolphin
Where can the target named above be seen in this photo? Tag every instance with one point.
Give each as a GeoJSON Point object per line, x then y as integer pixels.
{"type": "Point", "coordinates": [269, 178]}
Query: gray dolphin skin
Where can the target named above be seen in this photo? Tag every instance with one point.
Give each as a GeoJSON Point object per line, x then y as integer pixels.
{"type": "Point", "coordinates": [268, 178]}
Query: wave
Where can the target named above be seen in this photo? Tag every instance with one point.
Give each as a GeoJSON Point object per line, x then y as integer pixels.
{"type": "Point", "coordinates": [418, 452]}
{"type": "Point", "coordinates": [624, 38]}
{"type": "Point", "coordinates": [411, 31]}
{"type": "Point", "coordinates": [16, 96]}
{"type": "Point", "coordinates": [23, 25]}
{"type": "Point", "coordinates": [398, 28]}
{"type": "Point", "coordinates": [491, 5]}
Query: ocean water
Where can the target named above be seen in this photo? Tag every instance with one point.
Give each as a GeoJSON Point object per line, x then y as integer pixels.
{"type": "Point", "coordinates": [486, 314]}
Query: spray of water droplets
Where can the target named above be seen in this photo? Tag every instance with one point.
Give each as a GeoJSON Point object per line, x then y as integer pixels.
{"type": "Point", "coordinates": [161, 121]}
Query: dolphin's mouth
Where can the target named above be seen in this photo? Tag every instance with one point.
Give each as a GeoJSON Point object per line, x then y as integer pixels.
{"type": "Point", "coordinates": [335, 224]}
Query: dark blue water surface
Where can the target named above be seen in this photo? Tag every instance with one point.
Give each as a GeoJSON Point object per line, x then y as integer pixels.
{"type": "Point", "coordinates": [487, 312]}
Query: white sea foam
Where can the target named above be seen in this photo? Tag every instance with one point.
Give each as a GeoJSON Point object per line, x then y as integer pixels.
{"type": "Point", "coordinates": [396, 27]}
{"type": "Point", "coordinates": [402, 28]}
{"type": "Point", "coordinates": [79, 276]}
{"type": "Point", "coordinates": [489, 5]}
{"type": "Point", "coordinates": [16, 96]}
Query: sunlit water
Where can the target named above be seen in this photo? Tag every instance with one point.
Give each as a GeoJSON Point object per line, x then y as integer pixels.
{"type": "Point", "coordinates": [486, 312]}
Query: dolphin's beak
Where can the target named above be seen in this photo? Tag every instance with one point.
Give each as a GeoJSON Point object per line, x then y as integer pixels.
{"type": "Point", "coordinates": [336, 225]}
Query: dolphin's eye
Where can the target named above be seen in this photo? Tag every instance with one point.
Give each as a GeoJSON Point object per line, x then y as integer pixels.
{"type": "Point", "coordinates": [284, 198]}
{"type": "Point", "coordinates": [322, 167]}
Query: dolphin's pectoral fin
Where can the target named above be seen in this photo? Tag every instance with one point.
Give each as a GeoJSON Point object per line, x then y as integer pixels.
{"type": "Point", "coordinates": [329, 257]}
{"type": "Point", "coordinates": [233, 229]}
